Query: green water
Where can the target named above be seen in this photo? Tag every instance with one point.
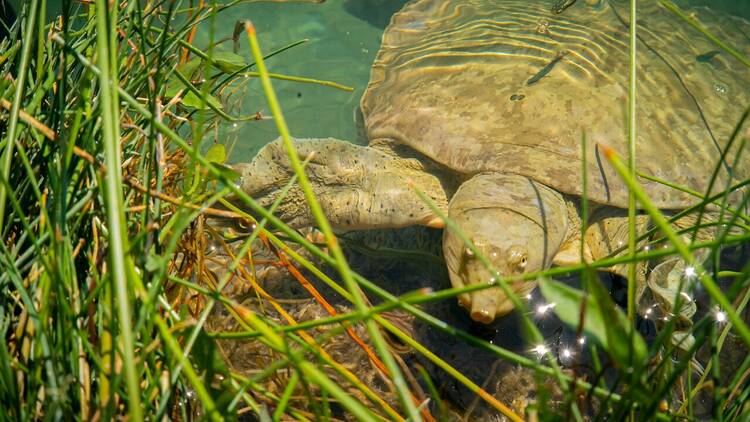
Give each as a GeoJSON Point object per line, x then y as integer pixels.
{"type": "Point", "coordinates": [344, 37]}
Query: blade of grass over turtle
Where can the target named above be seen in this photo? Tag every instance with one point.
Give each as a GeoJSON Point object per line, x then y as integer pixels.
{"type": "Point", "coordinates": [659, 219]}
{"type": "Point", "coordinates": [501, 282]}
{"type": "Point", "coordinates": [411, 309]}
{"type": "Point", "coordinates": [317, 211]}
{"type": "Point", "coordinates": [585, 195]}
{"type": "Point", "coordinates": [632, 137]}
{"type": "Point", "coordinates": [473, 387]}
{"type": "Point", "coordinates": [695, 24]}
{"type": "Point", "coordinates": [122, 269]}
{"type": "Point", "coordinates": [10, 139]}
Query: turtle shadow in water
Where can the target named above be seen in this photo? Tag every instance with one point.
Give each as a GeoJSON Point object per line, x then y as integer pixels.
{"type": "Point", "coordinates": [375, 12]}
{"type": "Point", "coordinates": [508, 382]}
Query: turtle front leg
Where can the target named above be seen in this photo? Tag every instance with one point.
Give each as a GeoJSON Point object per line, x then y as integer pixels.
{"type": "Point", "coordinates": [607, 236]}
{"type": "Point", "coordinates": [667, 280]}
{"type": "Point", "coordinates": [358, 187]}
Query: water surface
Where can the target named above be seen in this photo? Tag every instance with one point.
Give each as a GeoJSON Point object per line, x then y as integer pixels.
{"type": "Point", "coordinates": [344, 36]}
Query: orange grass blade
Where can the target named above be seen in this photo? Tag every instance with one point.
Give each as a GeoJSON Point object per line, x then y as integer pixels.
{"type": "Point", "coordinates": [240, 310]}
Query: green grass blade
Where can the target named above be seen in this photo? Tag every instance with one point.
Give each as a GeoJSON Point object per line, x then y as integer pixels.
{"type": "Point", "coordinates": [333, 244]}
{"type": "Point", "coordinates": [10, 141]}
{"type": "Point", "coordinates": [632, 138]}
{"type": "Point", "coordinates": [659, 219]}
{"type": "Point", "coordinates": [121, 267]}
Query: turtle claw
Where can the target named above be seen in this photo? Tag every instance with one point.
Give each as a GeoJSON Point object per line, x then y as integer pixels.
{"type": "Point", "coordinates": [669, 282]}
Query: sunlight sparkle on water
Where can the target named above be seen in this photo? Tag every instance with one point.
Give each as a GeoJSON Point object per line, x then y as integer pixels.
{"type": "Point", "coordinates": [721, 317]}
{"type": "Point", "coordinates": [648, 312]}
{"type": "Point", "coordinates": [540, 350]}
{"type": "Point", "coordinates": [542, 309]}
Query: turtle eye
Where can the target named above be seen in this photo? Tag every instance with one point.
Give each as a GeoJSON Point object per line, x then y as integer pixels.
{"type": "Point", "coordinates": [518, 257]}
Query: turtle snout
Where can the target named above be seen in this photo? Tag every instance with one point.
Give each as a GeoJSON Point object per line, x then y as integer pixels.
{"type": "Point", "coordinates": [486, 305]}
{"type": "Point", "coordinates": [483, 306]}
{"type": "Point", "coordinates": [482, 315]}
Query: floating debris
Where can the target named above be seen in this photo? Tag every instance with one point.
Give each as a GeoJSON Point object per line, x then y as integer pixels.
{"type": "Point", "coordinates": [546, 69]}
{"type": "Point", "coordinates": [561, 5]}
{"type": "Point", "coordinates": [706, 57]}
{"type": "Point", "coordinates": [517, 97]}
{"type": "Point", "coordinates": [542, 27]}
{"type": "Point", "coordinates": [720, 88]}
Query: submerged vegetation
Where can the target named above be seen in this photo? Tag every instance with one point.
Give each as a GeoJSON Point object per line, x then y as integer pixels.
{"type": "Point", "coordinates": [124, 253]}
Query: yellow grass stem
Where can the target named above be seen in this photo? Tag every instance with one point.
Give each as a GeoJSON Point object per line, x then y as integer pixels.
{"type": "Point", "coordinates": [487, 397]}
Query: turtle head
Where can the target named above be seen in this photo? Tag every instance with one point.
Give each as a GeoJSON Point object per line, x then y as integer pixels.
{"type": "Point", "coordinates": [515, 224]}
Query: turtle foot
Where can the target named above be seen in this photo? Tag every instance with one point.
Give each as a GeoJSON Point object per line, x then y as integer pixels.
{"type": "Point", "coordinates": [357, 187]}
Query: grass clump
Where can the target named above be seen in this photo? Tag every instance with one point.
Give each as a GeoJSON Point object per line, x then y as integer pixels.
{"type": "Point", "coordinates": [124, 262]}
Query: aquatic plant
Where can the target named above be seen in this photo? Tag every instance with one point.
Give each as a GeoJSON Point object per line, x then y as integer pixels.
{"type": "Point", "coordinates": [110, 189]}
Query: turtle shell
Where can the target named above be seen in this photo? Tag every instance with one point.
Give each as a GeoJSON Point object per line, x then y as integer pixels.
{"type": "Point", "coordinates": [508, 86]}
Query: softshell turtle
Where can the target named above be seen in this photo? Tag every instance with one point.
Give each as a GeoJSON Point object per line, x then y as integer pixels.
{"type": "Point", "coordinates": [472, 103]}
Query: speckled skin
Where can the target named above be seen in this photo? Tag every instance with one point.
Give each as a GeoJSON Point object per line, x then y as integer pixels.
{"type": "Point", "coordinates": [448, 109]}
